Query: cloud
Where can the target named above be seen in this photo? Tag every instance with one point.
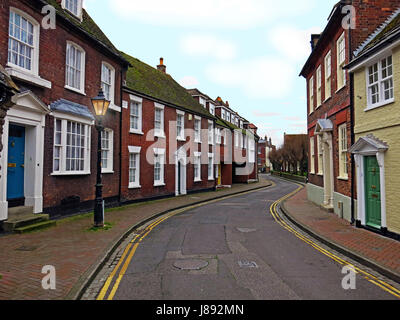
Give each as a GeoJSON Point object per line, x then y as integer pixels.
{"type": "Point", "coordinates": [231, 14]}
{"type": "Point", "coordinates": [208, 45]}
{"type": "Point", "coordinates": [285, 37]}
{"type": "Point", "coordinates": [262, 77]}
{"type": "Point", "coordinates": [260, 114]}
{"type": "Point", "coordinates": [189, 82]}
{"type": "Point", "coordinates": [293, 118]}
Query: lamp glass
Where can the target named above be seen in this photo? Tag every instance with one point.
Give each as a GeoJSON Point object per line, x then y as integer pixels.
{"type": "Point", "coordinates": [100, 104]}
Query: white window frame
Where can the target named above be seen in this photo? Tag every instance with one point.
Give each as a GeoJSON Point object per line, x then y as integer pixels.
{"type": "Point", "coordinates": [135, 151]}
{"type": "Point", "coordinates": [139, 102]}
{"type": "Point", "coordinates": [181, 136]}
{"type": "Point", "coordinates": [202, 101]}
{"type": "Point", "coordinates": [80, 90]}
{"type": "Point", "coordinates": [328, 75]}
{"type": "Point", "coordinates": [161, 154]}
{"type": "Point", "coordinates": [223, 114]}
{"type": "Point", "coordinates": [311, 98]}
{"type": "Point", "coordinates": [343, 148]}
{"type": "Point", "coordinates": [197, 163]}
{"type": "Point", "coordinates": [341, 61]}
{"type": "Point", "coordinates": [110, 150]}
{"type": "Point", "coordinates": [64, 118]}
{"type": "Point", "coordinates": [312, 155]}
{"type": "Point", "coordinates": [34, 70]}
{"type": "Point", "coordinates": [112, 84]}
{"type": "Point", "coordinates": [159, 132]}
{"type": "Point", "coordinates": [197, 130]}
{"type": "Point", "coordinates": [210, 166]}
{"type": "Point", "coordinates": [218, 135]}
{"type": "Point", "coordinates": [319, 86]}
{"type": "Point", "coordinates": [212, 108]}
{"type": "Point", "coordinates": [210, 132]}
{"type": "Point", "coordinates": [252, 150]}
{"type": "Point", "coordinates": [379, 83]}
{"type": "Point", "coordinates": [320, 156]}
{"type": "Point", "coordinates": [79, 8]}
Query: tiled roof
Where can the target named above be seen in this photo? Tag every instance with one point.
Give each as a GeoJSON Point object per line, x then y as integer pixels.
{"type": "Point", "coordinates": [87, 25]}
{"type": "Point", "coordinates": [151, 82]}
{"type": "Point", "coordinates": [391, 25]}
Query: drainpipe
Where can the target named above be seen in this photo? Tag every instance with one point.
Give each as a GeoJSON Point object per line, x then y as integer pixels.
{"type": "Point", "coordinates": [120, 139]}
{"type": "Point", "coordinates": [352, 137]}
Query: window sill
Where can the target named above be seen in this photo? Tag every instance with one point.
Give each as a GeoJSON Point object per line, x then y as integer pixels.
{"type": "Point", "coordinates": [197, 141]}
{"type": "Point", "coordinates": [75, 90]}
{"type": "Point", "coordinates": [327, 99]}
{"type": "Point", "coordinates": [211, 179]}
{"type": "Point", "coordinates": [114, 107]}
{"type": "Point", "coordinates": [320, 174]}
{"type": "Point", "coordinates": [198, 180]}
{"type": "Point", "coordinates": [107, 171]}
{"type": "Point", "coordinates": [159, 184]}
{"type": "Point", "coordinates": [159, 135]}
{"type": "Point", "coordinates": [27, 76]}
{"type": "Point", "coordinates": [378, 105]}
{"type": "Point", "coordinates": [134, 186]}
{"type": "Point", "coordinates": [86, 173]}
{"type": "Point", "coordinates": [343, 178]}
{"type": "Point", "coordinates": [136, 132]}
{"type": "Point", "coordinates": [340, 89]}
{"type": "Point", "coordinates": [181, 139]}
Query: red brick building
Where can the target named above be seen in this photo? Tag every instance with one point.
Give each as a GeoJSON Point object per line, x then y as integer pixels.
{"type": "Point", "coordinates": [262, 157]}
{"type": "Point", "coordinates": [168, 146]}
{"type": "Point", "coordinates": [48, 163]}
{"type": "Point", "coordinates": [329, 106]}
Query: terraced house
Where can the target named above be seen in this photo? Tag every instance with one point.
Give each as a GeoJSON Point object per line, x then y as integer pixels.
{"type": "Point", "coordinates": [236, 142]}
{"type": "Point", "coordinates": [168, 143]}
{"type": "Point", "coordinates": [376, 70]}
{"type": "Point", "coordinates": [330, 107]}
{"type": "Point", "coordinates": [49, 136]}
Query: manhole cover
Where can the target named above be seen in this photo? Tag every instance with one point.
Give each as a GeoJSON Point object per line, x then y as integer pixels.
{"type": "Point", "coordinates": [248, 264]}
{"type": "Point", "coordinates": [246, 230]}
{"type": "Point", "coordinates": [194, 264]}
{"type": "Point", "coordinates": [26, 248]}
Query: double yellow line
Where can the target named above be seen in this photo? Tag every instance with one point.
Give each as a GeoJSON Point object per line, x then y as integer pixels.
{"type": "Point", "coordinates": [132, 247]}
{"type": "Point", "coordinates": [382, 284]}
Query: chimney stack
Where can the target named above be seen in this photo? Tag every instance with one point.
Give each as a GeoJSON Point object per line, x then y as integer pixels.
{"type": "Point", "coordinates": [314, 40]}
{"type": "Point", "coordinates": [161, 67]}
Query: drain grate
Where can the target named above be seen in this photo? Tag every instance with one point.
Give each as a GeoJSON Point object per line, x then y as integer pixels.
{"type": "Point", "coordinates": [248, 264]}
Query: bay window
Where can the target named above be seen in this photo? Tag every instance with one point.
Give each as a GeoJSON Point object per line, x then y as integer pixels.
{"type": "Point", "coordinates": [71, 147]}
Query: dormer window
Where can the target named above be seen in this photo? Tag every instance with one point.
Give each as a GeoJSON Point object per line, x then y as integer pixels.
{"type": "Point", "coordinates": [73, 6]}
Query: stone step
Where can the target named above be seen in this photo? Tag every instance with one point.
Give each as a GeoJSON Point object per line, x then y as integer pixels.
{"type": "Point", "coordinates": [14, 213]}
{"type": "Point", "coordinates": [37, 226]}
{"type": "Point", "coordinates": [18, 222]}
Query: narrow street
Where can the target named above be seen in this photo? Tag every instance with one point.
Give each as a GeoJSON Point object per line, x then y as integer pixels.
{"type": "Point", "coordinates": [233, 249]}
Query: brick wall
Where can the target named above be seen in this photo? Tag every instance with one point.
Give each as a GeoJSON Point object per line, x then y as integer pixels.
{"type": "Point", "coordinates": [52, 49]}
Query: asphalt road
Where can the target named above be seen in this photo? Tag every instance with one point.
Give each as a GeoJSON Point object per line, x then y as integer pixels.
{"type": "Point", "coordinates": [247, 254]}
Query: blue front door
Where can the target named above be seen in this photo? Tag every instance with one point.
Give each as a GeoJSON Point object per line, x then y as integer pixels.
{"type": "Point", "coordinates": [16, 162]}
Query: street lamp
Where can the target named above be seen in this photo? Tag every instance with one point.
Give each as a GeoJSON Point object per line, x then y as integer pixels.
{"type": "Point", "coordinates": [100, 105]}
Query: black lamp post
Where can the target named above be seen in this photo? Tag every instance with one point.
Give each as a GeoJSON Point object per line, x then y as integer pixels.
{"type": "Point", "coordinates": [100, 105]}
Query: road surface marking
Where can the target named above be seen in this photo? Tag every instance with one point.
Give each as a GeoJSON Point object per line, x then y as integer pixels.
{"type": "Point", "coordinates": [382, 284]}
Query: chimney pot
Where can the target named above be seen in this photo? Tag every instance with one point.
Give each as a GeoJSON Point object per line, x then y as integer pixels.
{"type": "Point", "coordinates": [161, 67]}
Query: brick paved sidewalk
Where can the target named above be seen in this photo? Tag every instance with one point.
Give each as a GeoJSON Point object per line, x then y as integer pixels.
{"type": "Point", "coordinates": [74, 250]}
{"type": "Point", "coordinates": [367, 246]}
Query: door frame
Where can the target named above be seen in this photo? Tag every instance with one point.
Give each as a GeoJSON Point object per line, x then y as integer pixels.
{"type": "Point", "coordinates": [366, 147]}
{"type": "Point", "coordinates": [180, 182]}
{"type": "Point", "coordinates": [30, 113]}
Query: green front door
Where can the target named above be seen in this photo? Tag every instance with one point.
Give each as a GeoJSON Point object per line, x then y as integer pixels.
{"type": "Point", "coordinates": [372, 192]}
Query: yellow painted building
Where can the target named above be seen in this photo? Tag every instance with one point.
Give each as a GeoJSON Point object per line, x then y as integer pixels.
{"type": "Point", "coordinates": [376, 74]}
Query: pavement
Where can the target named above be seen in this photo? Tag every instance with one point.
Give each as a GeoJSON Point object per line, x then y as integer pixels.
{"type": "Point", "coordinates": [75, 251]}
{"type": "Point", "coordinates": [373, 250]}
{"type": "Point", "coordinates": [232, 249]}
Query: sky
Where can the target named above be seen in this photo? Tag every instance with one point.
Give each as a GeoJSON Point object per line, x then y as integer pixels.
{"type": "Point", "coordinates": [249, 53]}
